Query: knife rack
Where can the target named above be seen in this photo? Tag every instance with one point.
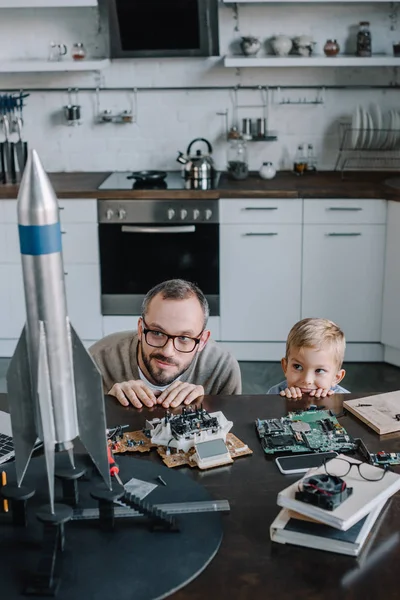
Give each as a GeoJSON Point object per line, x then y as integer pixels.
{"type": "Point", "coordinates": [13, 157]}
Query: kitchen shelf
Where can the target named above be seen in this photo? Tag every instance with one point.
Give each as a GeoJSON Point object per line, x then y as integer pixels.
{"type": "Point", "coordinates": [46, 3]}
{"type": "Point", "coordinates": [379, 60]}
{"type": "Point", "coordinates": [42, 66]}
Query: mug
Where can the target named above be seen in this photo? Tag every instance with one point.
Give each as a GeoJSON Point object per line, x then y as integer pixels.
{"type": "Point", "coordinates": [57, 51]}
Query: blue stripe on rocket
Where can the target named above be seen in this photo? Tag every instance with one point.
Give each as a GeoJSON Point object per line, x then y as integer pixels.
{"type": "Point", "coordinates": [36, 240]}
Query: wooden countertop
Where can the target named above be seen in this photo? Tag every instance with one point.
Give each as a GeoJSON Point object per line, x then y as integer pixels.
{"type": "Point", "coordinates": [324, 184]}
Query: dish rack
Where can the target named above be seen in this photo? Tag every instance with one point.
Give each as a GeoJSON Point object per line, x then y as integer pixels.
{"type": "Point", "coordinates": [368, 149]}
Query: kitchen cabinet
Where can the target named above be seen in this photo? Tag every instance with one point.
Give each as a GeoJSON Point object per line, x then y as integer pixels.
{"type": "Point", "coordinates": [81, 264]}
{"type": "Point", "coordinates": [46, 3]}
{"type": "Point", "coordinates": [343, 264]}
{"type": "Point", "coordinates": [260, 268]}
{"type": "Point", "coordinates": [391, 288]}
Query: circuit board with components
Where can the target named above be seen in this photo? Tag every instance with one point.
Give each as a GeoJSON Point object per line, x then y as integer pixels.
{"type": "Point", "coordinates": [312, 430]}
{"type": "Point", "coordinates": [386, 459]}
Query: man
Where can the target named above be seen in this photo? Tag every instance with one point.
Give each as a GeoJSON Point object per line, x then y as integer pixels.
{"type": "Point", "coordinates": [170, 360]}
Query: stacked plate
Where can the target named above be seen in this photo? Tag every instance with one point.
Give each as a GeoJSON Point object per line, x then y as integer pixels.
{"type": "Point", "coordinates": [371, 129]}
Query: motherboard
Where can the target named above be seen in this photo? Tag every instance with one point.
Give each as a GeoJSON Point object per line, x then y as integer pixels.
{"type": "Point", "coordinates": [312, 430]}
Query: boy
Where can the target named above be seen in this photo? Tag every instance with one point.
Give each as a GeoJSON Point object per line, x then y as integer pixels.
{"type": "Point", "coordinates": [313, 362]}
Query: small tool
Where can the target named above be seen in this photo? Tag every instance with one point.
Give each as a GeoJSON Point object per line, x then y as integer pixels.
{"type": "Point", "coordinates": [4, 482]}
{"type": "Point", "coordinates": [364, 404]}
{"type": "Point", "coordinates": [161, 480]}
{"type": "Point", "coordinates": [114, 468]}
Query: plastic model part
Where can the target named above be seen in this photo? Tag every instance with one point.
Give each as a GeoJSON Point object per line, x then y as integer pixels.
{"type": "Point", "coordinates": [313, 430]}
{"type": "Point", "coordinates": [192, 427]}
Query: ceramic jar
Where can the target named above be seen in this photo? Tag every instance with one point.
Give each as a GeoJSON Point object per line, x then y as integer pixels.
{"type": "Point", "coordinates": [281, 45]}
{"type": "Point", "coordinates": [267, 170]}
{"type": "Point", "coordinates": [304, 45]}
{"type": "Point", "coordinates": [250, 45]}
{"type": "Point", "coordinates": [331, 48]}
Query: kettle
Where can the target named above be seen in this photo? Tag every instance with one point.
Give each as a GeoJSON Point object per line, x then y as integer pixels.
{"type": "Point", "coordinates": [200, 166]}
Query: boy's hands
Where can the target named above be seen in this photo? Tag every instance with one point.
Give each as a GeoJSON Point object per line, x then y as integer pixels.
{"type": "Point", "coordinates": [295, 392]}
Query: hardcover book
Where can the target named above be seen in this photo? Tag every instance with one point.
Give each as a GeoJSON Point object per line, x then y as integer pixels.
{"type": "Point", "coordinates": [366, 496]}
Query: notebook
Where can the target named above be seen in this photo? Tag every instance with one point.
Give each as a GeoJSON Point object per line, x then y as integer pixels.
{"type": "Point", "coordinates": [365, 497]}
{"type": "Point", "coordinates": [380, 412]}
{"type": "Point", "coordinates": [291, 528]}
{"type": "Point", "coordinates": [6, 442]}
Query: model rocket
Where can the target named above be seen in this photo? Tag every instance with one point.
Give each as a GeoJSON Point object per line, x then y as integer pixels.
{"type": "Point", "coordinates": [54, 387]}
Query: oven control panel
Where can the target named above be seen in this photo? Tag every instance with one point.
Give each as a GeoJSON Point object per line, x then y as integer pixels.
{"type": "Point", "coordinates": [158, 211]}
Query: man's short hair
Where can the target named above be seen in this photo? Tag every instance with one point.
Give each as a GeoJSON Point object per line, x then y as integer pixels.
{"type": "Point", "coordinates": [317, 333]}
{"type": "Point", "coordinates": [177, 289]}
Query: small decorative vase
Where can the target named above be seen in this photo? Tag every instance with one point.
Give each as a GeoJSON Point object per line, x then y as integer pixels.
{"type": "Point", "coordinates": [267, 171]}
{"type": "Point", "coordinates": [281, 45]}
{"type": "Point", "coordinates": [331, 48]}
{"type": "Point", "coordinates": [250, 45]}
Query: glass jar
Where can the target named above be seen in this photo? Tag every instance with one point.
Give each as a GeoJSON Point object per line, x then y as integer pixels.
{"type": "Point", "coordinates": [300, 161]}
{"type": "Point", "coordinates": [364, 45]}
{"type": "Point", "coordinates": [238, 164]}
{"type": "Point", "coordinates": [78, 51]}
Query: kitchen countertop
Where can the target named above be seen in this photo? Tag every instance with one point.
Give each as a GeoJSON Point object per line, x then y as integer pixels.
{"type": "Point", "coordinates": [324, 184]}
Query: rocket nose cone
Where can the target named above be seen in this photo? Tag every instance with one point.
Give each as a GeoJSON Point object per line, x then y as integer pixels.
{"type": "Point", "coordinates": [37, 201]}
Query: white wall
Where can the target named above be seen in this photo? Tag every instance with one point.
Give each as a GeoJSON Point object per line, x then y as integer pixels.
{"type": "Point", "coordinates": [167, 121]}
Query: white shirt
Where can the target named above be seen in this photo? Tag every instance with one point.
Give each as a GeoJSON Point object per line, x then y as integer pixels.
{"type": "Point", "coordinates": [153, 387]}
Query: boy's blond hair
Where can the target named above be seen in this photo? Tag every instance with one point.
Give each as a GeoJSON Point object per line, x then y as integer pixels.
{"type": "Point", "coordinates": [317, 333]}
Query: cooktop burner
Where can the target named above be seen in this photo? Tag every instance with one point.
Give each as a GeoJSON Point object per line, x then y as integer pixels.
{"type": "Point", "coordinates": [122, 180]}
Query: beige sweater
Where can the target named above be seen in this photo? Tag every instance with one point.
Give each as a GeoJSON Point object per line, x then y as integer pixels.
{"type": "Point", "coordinates": [214, 368]}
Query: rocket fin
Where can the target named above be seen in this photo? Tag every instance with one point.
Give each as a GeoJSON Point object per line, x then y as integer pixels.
{"type": "Point", "coordinates": [90, 406]}
{"type": "Point", "coordinates": [46, 412]}
{"type": "Point", "coordinates": [21, 402]}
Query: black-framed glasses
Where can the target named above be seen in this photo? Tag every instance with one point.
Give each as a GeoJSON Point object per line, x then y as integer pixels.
{"type": "Point", "coordinates": [158, 339]}
{"type": "Point", "coordinates": [340, 467]}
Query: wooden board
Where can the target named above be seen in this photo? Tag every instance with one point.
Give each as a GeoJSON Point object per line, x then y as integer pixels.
{"type": "Point", "coordinates": [143, 444]}
{"type": "Point", "coordinates": [379, 412]}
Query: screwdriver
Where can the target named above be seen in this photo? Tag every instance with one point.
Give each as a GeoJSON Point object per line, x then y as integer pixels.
{"type": "Point", "coordinates": [114, 468]}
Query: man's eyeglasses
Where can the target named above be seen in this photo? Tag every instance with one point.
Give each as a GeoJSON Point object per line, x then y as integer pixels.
{"type": "Point", "coordinates": [158, 339]}
{"type": "Point", "coordinates": [340, 467]}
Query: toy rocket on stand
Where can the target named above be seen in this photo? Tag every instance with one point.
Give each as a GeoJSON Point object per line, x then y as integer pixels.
{"type": "Point", "coordinates": [54, 387]}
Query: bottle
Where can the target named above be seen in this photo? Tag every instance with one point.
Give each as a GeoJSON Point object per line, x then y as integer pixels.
{"type": "Point", "coordinates": [364, 45]}
{"type": "Point", "coordinates": [78, 51]}
{"type": "Point", "coordinates": [311, 158]}
{"type": "Point", "coordinates": [331, 48]}
{"type": "Point", "coordinates": [238, 164]}
{"type": "Point", "coordinates": [300, 161]}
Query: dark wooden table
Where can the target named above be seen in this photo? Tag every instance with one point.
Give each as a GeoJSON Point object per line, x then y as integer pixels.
{"type": "Point", "coordinates": [248, 566]}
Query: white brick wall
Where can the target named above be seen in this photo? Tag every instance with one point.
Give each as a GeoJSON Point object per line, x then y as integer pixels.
{"type": "Point", "coordinates": [167, 121]}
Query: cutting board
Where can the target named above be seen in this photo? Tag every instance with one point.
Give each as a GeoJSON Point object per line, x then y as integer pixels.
{"type": "Point", "coordinates": [379, 412]}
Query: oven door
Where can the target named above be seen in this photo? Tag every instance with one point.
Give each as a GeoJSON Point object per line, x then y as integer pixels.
{"type": "Point", "coordinates": [134, 258]}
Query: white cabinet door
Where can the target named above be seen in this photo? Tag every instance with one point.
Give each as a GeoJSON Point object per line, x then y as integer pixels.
{"type": "Point", "coordinates": [391, 288]}
{"type": "Point", "coordinates": [12, 301]}
{"type": "Point", "coordinates": [80, 243]}
{"type": "Point", "coordinates": [260, 280]}
{"type": "Point", "coordinates": [343, 277]}
{"type": "Point", "coordinates": [82, 284]}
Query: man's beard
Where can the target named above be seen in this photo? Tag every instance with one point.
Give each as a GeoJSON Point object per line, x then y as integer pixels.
{"type": "Point", "coordinates": [158, 375]}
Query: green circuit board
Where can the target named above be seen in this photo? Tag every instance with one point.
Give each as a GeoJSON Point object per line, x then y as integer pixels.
{"type": "Point", "coordinates": [312, 430]}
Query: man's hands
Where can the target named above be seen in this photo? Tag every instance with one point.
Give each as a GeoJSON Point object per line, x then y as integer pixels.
{"type": "Point", "coordinates": [138, 394]}
{"type": "Point", "coordinates": [134, 391]}
{"type": "Point", "coordinates": [180, 392]}
{"type": "Point", "coordinates": [295, 392]}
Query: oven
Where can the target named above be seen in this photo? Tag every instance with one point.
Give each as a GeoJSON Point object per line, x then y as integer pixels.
{"type": "Point", "coordinates": [145, 242]}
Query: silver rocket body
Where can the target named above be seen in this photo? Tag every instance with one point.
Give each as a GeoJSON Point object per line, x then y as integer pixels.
{"type": "Point", "coordinates": [54, 387]}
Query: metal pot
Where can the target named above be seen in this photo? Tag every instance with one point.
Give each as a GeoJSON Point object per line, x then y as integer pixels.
{"type": "Point", "coordinates": [200, 166]}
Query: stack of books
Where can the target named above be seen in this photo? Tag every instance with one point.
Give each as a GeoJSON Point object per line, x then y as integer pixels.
{"type": "Point", "coordinates": [343, 530]}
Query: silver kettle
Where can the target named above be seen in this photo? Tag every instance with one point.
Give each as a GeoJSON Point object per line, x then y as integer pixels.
{"type": "Point", "coordinates": [200, 166]}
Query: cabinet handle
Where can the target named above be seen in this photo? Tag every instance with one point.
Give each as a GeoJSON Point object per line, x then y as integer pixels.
{"type": "Point", "coordinates": [343, 234]}
{"type": "Point", "coordinates": [63, 232]}
{"type": "Point", "coordinates": [173, 229]}
{"type": "Point", "coordinates": [262, 234]}
{"type": "Point", "coordinates": [65, 272]}
{"type": "Point", "coordinates": [345, 208]}
{"type": "Point", "coordinates": [260, 208]}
